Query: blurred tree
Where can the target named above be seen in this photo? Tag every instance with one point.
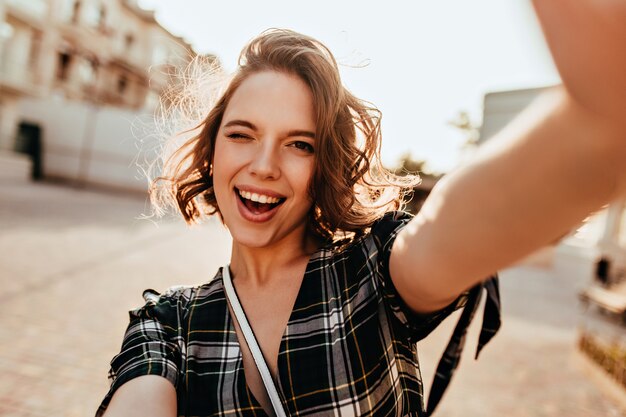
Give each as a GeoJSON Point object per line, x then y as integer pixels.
{"type": "Point", "coordinates": [468, 128]}
{"type": "Point", "coordinates": [407, 165]}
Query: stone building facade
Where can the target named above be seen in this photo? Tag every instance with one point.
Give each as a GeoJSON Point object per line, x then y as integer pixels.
{"type": "Point", "coordinates": [104, 52]}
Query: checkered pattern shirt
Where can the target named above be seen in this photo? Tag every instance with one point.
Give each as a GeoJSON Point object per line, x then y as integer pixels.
{"type": "Point", "coordinates": [349, 347]}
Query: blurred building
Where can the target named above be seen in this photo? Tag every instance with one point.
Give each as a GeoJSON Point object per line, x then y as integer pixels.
{"type": "Point", "coordinates": [501, 107]}
{"type": "Point", "coordinates": [603, 236]}
{"type": "Point", "coordinates": [107, 52]}
{"type": "Point", "coordinates": [600, 243]}
{"type": "Point", "coordinates": [74, 76]}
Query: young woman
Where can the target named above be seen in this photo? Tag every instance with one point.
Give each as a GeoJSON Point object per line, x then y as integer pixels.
{"type": "Point", "coordinates": [338, 286]}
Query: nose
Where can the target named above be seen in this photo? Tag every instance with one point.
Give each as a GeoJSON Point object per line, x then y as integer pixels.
{"type": "Point", "coordinates": [265, 162]}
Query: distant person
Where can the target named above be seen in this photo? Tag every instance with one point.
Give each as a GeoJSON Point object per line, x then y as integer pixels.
{"type": "Point", "coordinates": [336, 283]}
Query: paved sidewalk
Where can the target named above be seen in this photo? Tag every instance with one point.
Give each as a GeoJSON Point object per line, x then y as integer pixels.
{"type": "Point", "coordinates": [72, 263]}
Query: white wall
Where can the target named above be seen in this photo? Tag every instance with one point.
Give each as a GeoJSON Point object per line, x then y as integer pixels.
{"type": "Point", "coordinates": [90, 144]}
{"type": "Point", "coordinates": [499, 108]}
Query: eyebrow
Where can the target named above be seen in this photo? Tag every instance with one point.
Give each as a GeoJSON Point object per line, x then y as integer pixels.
{"type": "Point", "coordinates": [249, 125]}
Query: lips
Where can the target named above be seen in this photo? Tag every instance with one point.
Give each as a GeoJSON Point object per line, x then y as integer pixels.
{"type": "Point", "coordinates": [257, 205]}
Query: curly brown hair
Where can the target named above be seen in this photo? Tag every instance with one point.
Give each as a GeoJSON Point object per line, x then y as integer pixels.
{"type": "Point", "coordinates": [350, 187]}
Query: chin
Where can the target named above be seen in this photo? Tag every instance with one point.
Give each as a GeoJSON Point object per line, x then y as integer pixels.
{"type": "Point", "coordinates": [251, 239]}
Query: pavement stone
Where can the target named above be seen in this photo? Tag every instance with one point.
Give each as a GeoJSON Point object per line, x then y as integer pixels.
{"type": "Point", "coordinates": [73, 262]}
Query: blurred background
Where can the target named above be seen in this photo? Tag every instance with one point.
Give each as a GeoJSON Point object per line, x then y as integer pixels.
{"type": "Point", "coordinates": [80, 84]}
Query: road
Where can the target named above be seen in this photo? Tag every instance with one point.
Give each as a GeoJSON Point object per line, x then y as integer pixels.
{"type": "Point", "coordinates": [73, 262]}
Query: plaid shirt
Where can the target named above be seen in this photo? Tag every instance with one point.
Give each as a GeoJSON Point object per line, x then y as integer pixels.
{"type": "Point", "coordinates": [349, 347]}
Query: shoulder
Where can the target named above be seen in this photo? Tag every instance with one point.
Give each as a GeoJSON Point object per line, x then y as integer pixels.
{"type": "Point", "coordinates": [364, 253]}
{"type": "Point", "coordinates": [379, 236]}
{"type": "Point", "coordinates": [177, 300]}
{"type": "Point", "coordinates": [389, 225]}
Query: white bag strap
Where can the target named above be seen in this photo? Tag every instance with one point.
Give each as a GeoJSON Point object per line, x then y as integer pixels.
{"type": "Point", "coordinates": [248, 334]}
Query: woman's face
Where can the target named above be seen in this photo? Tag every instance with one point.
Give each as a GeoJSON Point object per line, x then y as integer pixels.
{"type": "Point", "coordinates": [264, 160]}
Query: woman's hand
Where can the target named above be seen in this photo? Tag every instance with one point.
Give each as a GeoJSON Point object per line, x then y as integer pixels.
{"type": "Point", "coordinates": [587, 39]}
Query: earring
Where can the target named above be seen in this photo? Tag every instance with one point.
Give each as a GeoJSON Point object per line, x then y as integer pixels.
{"type": "Point", "coordinates": [211, 170]}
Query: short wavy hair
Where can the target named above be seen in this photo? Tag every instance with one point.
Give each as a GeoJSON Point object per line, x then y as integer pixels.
{"type": "Point", "coordinates": [350, 188]}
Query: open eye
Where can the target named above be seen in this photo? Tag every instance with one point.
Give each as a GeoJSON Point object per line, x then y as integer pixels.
{"type": "Point", "coordinates": [302, 145]}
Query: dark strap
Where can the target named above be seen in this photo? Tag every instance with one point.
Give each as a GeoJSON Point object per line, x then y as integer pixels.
{"type": "Point", "coordinates": [452, 355]}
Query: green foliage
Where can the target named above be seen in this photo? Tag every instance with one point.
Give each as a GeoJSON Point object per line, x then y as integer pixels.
{"type": "Point", "coordinates": [408, 165]}
{"type": "Point", "coordinates": [468, 128]}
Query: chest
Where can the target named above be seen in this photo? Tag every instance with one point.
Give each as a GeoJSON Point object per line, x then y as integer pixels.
{"type": "Point", "coordinates": [335, 346]}
{"type": "Point", "coordinates": [267, 312]}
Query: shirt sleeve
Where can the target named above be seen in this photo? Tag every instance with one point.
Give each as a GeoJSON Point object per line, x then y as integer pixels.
{"type": "Point", "coordinates": [384, 233]}
{"type": "Point", "coordinates": [152, 344]}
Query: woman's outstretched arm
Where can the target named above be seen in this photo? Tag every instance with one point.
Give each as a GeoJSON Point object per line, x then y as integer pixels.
{"type": "Point", "coordinates": [563, 159]}
{"type": "Point", "coordinates": [148, 395]}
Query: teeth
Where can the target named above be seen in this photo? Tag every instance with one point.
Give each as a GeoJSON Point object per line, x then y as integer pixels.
{"type": "Point", "coordinates": [259, 198]}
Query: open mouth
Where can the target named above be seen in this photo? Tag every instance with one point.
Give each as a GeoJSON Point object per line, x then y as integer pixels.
{"type": "Point", "coordinates": [258, 203]}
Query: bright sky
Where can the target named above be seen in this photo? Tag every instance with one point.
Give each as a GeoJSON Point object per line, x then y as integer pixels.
{"type": "Point", "coordinates": [426, 60]}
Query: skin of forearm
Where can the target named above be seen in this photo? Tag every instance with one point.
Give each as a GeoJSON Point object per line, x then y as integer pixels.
{"type": "Point", "coordinates": [147, 395]}
{"type": "Point", "coordinates": [587, 40]}
{"type": "Point", "coordinates": [526, 187]}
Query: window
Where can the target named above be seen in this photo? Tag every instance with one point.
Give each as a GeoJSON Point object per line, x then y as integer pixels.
{"type": "Point", "coordinates": [129, 40]}
{"type": "Point", "coordinates": [622, 227]}
{"type": "Point", "coordinates": [102, 15]}
{"type": "Point", "coordinates": [88, 70]}
{"type": "Point", "coordinates": [65, 60]}
{"type": "Point", "coordinates": [35, 49]}
{"type": "Point", "coordinates": [159, 55]}
{"type": "Point", "coordinates": [6, 31]}
{"type": "Point", "coordinates": [92, 15]}
{"type": "Point", "coordinates": [122, 84]}
{"type": "Point", "coordinates": [76, 11]}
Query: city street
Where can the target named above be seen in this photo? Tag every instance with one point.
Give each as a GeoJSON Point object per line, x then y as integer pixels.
{"type": "Point", "coordinates": [73, 262]}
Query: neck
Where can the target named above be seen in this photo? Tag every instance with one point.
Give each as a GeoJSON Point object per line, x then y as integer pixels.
{"type": "Point", "coordinates": [260, 266]}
